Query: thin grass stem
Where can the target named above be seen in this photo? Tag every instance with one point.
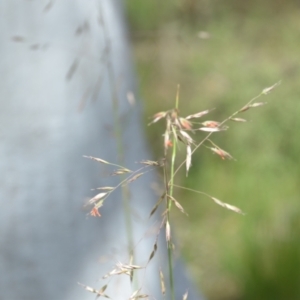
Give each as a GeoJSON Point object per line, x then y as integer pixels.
{"type": "Point", "coordinates": [120, 148]}
{"type": "Point", "coordinates": [169, 202]}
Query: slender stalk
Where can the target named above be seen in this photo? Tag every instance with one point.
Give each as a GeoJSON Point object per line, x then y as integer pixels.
{"type": "Point", "coordinates": [120, 148]}
{"type": "Point", "coordinates": [169, 203]}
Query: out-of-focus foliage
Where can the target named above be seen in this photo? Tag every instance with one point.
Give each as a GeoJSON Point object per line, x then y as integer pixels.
{"type": "Point", "coordinates": [223, 53]}
{"type": "Point", "coordinates": [152, 14]}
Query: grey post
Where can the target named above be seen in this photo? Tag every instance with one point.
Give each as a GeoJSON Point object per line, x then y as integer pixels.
{"type": "Point", "coordinates": [66, 77]}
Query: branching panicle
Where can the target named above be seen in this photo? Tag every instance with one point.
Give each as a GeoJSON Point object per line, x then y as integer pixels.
{"type": "Point", "coordinates": [178, 130]}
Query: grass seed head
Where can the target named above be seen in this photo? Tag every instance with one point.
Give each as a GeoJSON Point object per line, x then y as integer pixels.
{"type": "Point", "coordinates": [269, 89]}
{"type": "Point", "coordinates": [223, 154]}
{"type": "Point", "coordinates": [211, 124]}
{"type": "Point", "coordinates": [158, 116]}
{"type": "Point", "coordinates": [168, 231]}
{"type": "Point", "coordinates": [187, 125]}
{"type": "Point", "coordinates": [238, 120]}
{"type": "Point", "coordinates": [188, 158]}
{"type": "Point", "coordinates": [198, 115]}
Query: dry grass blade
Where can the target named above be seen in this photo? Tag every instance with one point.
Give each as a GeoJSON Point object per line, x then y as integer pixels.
{"type": "Point", "coordinates": [198, 115]}
{"type": "Point", "coordinates": [228, 206]}
{"type": "Point", "coordinates": [162, 282]}
{"type": "Point", "coordinates": [161, 198]}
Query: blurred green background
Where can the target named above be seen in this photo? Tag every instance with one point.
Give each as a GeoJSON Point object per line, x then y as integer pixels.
{"type": "Point", "coordinates": [223, 53]}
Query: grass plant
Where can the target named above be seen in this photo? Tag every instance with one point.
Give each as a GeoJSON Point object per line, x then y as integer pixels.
{"type": "Point", "coordinates": [178, 130]}
{"type": "Point", "coordinates": [241, 55]}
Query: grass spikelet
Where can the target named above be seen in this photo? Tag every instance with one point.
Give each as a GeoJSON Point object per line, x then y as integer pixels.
{"type": "Point", "coordinates": [185, 124]}
{"type": "Point", "coordinates": [185, 137]}
{"type": "Point", "coordinates": [198, 115]}
{"type": "Point", "coordinates": [211, 124]}
{"type": "Point", "coordinates": [223, 154]}
{"type": "Point", "coordinates": [185, 296]}
{"type": "Point", "coordinates": [135, 177]}
{"type": "Point", "coordinates": [227, 206]}
{"type": "Point", "coordinates": [121, 171]}
{"type": "Point", "coordinates": [161, 198]}
{"type": "Point", "coordinates": [238, 120]}
{"type": "Point", "coordinates": [212, 129]}
{"type": "Point", "coordinates": [168, 232]}
{"type": "Point", "coordinates": [257, 104]}
{"type": "Point", "coordinates": [149, 163]}
{"type": "Point", "coordinates": [99, 293]}
{"type": "Point", "coordinates": [97, 159]}
{"type": "Point", "coordinates": [158, 116]}
{"type": "Point", "coordinates": [177, 204]}
{"type": "Point", "coordinates": [188, 158]}
{"type": "Point", "coordinates": [162, 282]}
{"type": "Point", "coordinates": [267, 90]}
{"type": "Point", "coordinates": [95, 212]}
{"type": "Point", "coordinates": [105, 188]}
{"type": "Point", "coordinates": [153, 251]}
{"type": "Point", "coordinates": [97, 197]}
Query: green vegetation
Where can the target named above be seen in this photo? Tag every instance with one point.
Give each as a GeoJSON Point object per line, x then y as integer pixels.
{"type": "Point", "coordinates": [222, 56]}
